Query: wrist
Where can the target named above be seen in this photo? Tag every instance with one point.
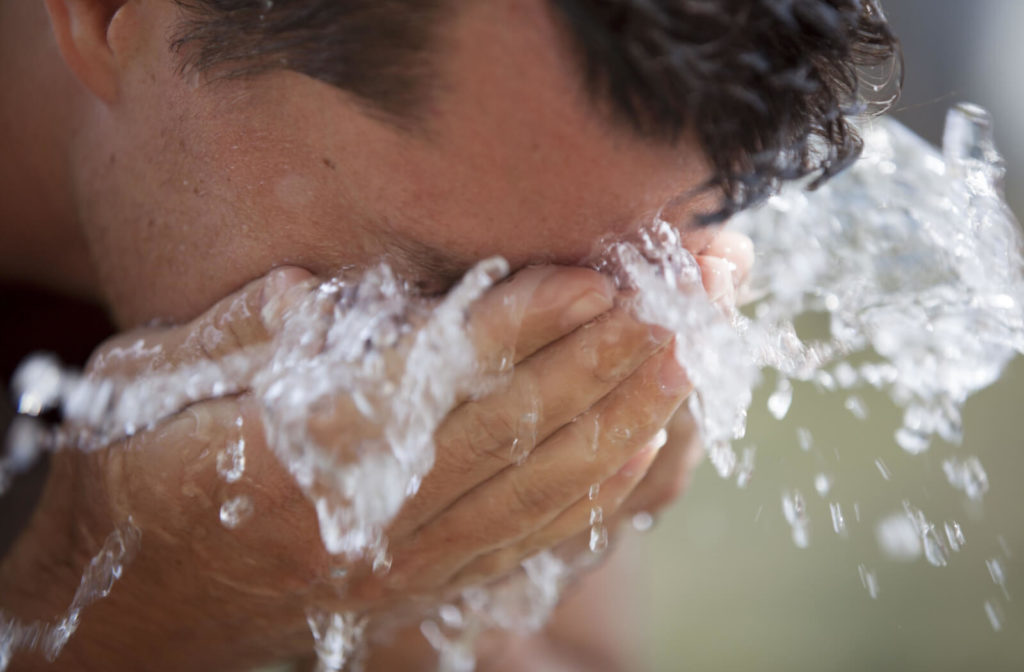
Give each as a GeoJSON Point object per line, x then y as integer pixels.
{"type": "Point", "coordinates": [163, 613]}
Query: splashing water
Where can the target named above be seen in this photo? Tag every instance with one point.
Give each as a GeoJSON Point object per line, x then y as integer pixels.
{"type": "Point", "coordinates": [911, 255]}
{"type": "Point", "coordinates": [359, 477]}
{"type": "Point", "coordinates": [337, 638]}
{"type": "Point", "coordinates": [105, 568]}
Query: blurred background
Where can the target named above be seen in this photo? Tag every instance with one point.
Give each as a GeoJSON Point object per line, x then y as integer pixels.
{"type": "Point", "coordinates": [723, 585]}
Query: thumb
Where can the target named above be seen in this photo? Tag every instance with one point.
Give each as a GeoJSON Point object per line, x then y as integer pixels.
{"type": "Point", "coordinates": [241, 320]}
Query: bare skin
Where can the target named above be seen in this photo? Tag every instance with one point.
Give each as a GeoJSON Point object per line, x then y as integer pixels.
{"type": "Point", "coordinates": [283, 170]}
{"type": "Point", "coordinates": [476, 517]}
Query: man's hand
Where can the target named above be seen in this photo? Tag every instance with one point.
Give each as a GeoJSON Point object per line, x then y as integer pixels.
{"type": "Point", "coordinates": [600, 384]}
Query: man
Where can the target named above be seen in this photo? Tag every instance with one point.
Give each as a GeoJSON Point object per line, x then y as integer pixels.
{"type": "Point", "coordinates": [162, 154]}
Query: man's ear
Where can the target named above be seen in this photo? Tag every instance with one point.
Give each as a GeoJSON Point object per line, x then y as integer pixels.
{"type": "Point", "coordinates": [86, 32]}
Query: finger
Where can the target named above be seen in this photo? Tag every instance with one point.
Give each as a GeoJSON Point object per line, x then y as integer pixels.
{"type": "Point", "coordinates": [536, 306]}
{"type": "Point", "coordinates": [480, 438]}
{"type": "Point", "coordinates": [672, 471]}
{"type": "Point", "coordinates": [717, 276]}
{"type": "Point", "coordinates": [587, 516]}
{"type": "Point", "coordinates": [737, 249]}
{"type": "Point", "coordinates": [522, 499]}
{"type": "Point", "coordinates": [245, 318]}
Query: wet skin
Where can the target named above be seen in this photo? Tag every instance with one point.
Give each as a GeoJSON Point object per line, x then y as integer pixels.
{"type": "Point", "coordinates": [183, 192]}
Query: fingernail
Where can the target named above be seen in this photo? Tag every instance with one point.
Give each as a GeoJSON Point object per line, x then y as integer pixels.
{"type": "Point", "coordinates": [717, 276]}
{"type": "Point", "coordinates": [740, 253]}
{"type": "Point", "coordinates": [671, 376]}
{"type": "Point", "coordinates": [276, 285]}
{"type": "Point", "coordinates": [737, 249]}
{"type": "Point", "coordinates": [280, 281]}
{"type": "Point", "coordinates": [586, 308]}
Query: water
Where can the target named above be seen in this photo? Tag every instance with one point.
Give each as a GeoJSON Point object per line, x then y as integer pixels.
{"type": "Point", "coordinates": [231, 460]}
{"type": "Point", "coordinates": [235, 511]}
{"type": "Point", "coordinates": [98, 578]}
{"type": "Point", "coordinates": [967, 475]}
{"type": "Point", "coordinates": [911, 258]}
{"type": "Point", "coordinates": [795, 511]}
{"type": "Point", "coordinates": [869, 580]}
{"type": "Point", "coordinates": [337, 638]}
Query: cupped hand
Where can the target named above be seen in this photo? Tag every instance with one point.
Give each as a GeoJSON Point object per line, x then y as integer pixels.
{"type": "Point", "coordinates": [660, 471]}
{"type": "Point", "coordinates": [514, 472]}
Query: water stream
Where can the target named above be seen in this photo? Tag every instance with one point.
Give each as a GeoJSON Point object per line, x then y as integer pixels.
{"type": "Point", "coordinates": [910, 260]}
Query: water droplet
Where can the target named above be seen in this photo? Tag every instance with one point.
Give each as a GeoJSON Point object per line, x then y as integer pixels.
{"type": "Point", "coordinates": [804, 438]}
{"type": "Point", "coordinates": [955, 536]}
{"type": "Point", "coordinates": [822, 484]}
{"type": "Point", "coordinates": [855, 405]}
{"type": "Point", "coordinates": [995, 571]}
{"type": "Point", "coordinates": [595, 439]}
{"type": "Point", "coordinates": [795, 512]}
{"type": "Point", "coordinates": [994, 614]}
{"type": "Point", "coordinates": [450, 615]}
{"type": "Point", "coordinates": [882, 469]}
{"type": "Point", "coordinates": [37, 384]}
{"type": "Point", "coordinates": [869, 580]}
{"type": "Point", "coordinates": [722, 457]}
{"type": "Point", "coordinates": [231, 461]}
{"type": "Point", "coordinates": [598, 539]}
{"type": "Point", "coordinates": [911, 441]}
{"type": "Point", "coordinates": [898, 538]}
{"type": "Point", "coordinates": [824, 380]}
{"type": "Point", "coordinates": [642, 522]}
{"type": "Point", "coordinates": [745, 466]}
{"type": "Point", "coordinates": [594, 490]}
{"type": "Point", "coordinates": [526, 432]}
{"type": "Point", "coordinates": [967, 475]}
{"type": "Point", "coordinates": [381, 563]}
{"type": "Point", "coordinates": [934, 550]}
{"type": "Point", "coordinates": [845, 375]}
{"type": "Point", "coordinates": [235, 511]}
{"type": "Point", "coordinates": [838, 522]}
{"type": "Point", "coordinates": [598, 532]}
{"type": "Point", "coordinates": [781, 399]}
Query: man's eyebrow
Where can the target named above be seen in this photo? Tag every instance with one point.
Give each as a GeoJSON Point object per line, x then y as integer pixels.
{"type": "Point", "coordinates": [703, 201]}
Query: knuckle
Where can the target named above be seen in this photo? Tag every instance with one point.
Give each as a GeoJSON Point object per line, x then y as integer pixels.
{"type": "Point", "coordinates": [484, 434]}
{"type": "Point", "coordinates": [619, 343]}
{"type": "Point", "coordinates": [627, 423]}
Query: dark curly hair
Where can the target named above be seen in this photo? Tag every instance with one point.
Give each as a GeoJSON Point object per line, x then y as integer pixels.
{"type": "Point", "coordinates": [767, 85]}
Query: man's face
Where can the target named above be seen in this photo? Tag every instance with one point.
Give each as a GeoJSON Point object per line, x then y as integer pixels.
{"type": "Point", "coordinates": [187, 190]}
